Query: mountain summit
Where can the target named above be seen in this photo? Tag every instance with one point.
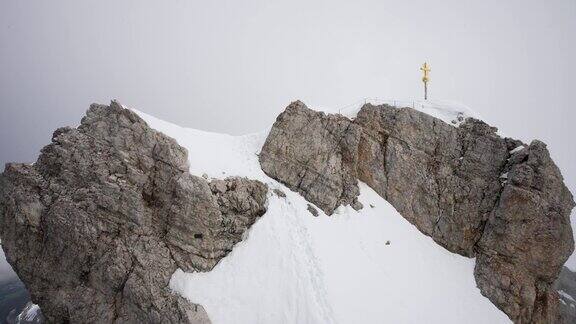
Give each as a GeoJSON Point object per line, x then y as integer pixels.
{"type": "Point", "coordinates": [385, 214]}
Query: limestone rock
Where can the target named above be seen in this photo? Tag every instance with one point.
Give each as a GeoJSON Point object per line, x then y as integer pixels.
{"type": "Point", "coordinates": [473, 192]}
{"type": "Point", "coordinates": [97, 226]}
{"type": "Point", "coordinates": [444, 180]}
{"type": "Point", "coordinates": [527, 238]}
{"type": "Point", "coordinates": [314, 154]}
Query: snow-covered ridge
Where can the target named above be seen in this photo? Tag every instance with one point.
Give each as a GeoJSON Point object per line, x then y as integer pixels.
{"type": "Point", "coordinates": [451, 112]}
{"type": "Point", "coordinates": [370, 266]}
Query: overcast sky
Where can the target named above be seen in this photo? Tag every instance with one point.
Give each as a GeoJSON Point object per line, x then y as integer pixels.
{"type": "Point", "coordinates": [232, 66]}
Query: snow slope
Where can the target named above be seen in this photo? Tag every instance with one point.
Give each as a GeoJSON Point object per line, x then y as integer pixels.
{"type": "Point", "coordinates": [370, 266]}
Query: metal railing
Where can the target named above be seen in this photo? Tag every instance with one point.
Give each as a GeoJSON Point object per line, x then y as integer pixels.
{"type": "Point", "coordinates": [380, 101]}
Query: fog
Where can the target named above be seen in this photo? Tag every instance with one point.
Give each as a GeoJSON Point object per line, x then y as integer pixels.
{"type": "Point", "coordinates": [6, 271]}
{"type": "Point", "coordinates": [232, 66]}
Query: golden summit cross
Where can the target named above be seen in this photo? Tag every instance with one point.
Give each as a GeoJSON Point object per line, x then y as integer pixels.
{"type": "Point", "coordinates": [426, 70]}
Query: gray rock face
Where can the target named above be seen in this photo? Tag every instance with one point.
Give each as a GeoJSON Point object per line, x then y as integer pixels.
{"type": "Point", "coordinates": [444, 180]}
{"type": "Point", "coordinates": [527, 238]}
{"type": "Point", "coordinates": [96, 227]}
{"type": "Point", "coordinates": [473, 192]}
{"type": "Point", "coordinates": [314, 154]}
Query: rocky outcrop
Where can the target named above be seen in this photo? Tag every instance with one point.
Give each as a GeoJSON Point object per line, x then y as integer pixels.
{"type": "Point", "coordinates": [96, 227]}
{"type": "Point", "coordinates": [443, 179]}
{"type": "Point", "coordinates": [527, 238]}
{"type": "Point", "coordinates": [314, 154]}
{"type": "Point", "coordinates": [473, 192]}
